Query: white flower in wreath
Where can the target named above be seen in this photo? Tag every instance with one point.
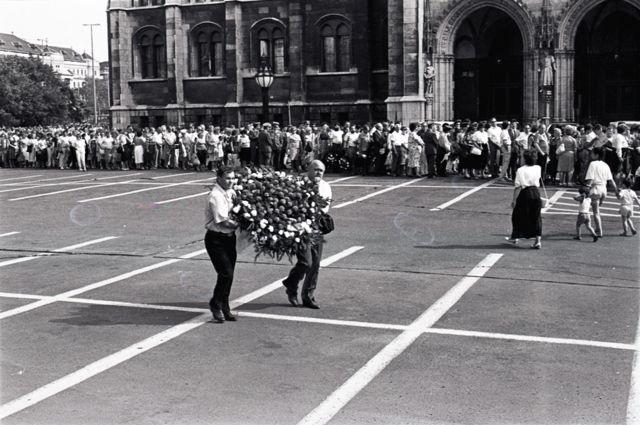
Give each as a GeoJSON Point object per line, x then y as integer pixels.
{"type": "Point", "coordinates": [271, 229]}
{"type": "Point", "coordinates": [297, 240]}
{"type": "Point", "coordinates": [254, 213]}
{"type": "Point", "coordinates": [281, 232]}
{"type": "Point", "coordinates": [236, 209]}
{"type": "Point", "coordinates": [246, 215]}
{"type": "Point", "coordinates": [275, 238]}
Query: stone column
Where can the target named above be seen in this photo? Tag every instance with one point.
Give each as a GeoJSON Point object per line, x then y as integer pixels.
{"type": "Point", "coordinates": [564, 86]}
{"type": "Point", "coordinates": [234, 46]}
{"type": "Point", "coordinates": [406, 100]}
{"type": "Point", "coordinates": [530, 96]}
{"type": "Point", "coordinates": [176, 62]}
{"type": "Point", "coordinates": [443, 87]}
{"type": "Point", "coordinates": [125, 55]}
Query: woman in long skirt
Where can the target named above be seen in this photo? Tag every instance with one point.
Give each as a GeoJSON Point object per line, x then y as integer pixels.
{"type": "Point", "coordinates": [566, 156]}
{"type": "Point", "coordinates": [526, 218]}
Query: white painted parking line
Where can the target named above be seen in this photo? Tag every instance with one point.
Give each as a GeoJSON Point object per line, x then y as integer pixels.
{"type": "Point", "coordinates": [108, 362]}
{"type": "Point", "coordinates": [116, 177]}
{"type": "Point", "coordinates": [557, 211]}
{"type": "Point", "coordinates": [8, 234]}
{"type": "Point", "coordinates": [168, 201]}
{"type": "Point", "coordinates": [170, 175]}
{"type": "Point", "coordinates": [100, 284]}
{"type": "Point", "coordinates": [633, 402]}
{"type": "Point", "coordinates": [64, 249]}
{"type": "Point", "coordinates": [21, 178]}
{"type": "Point", "coordinates": [77, 176]}
{"type": "Point", "coordinates": [371, 195]}
{"type": "Point", "coordinates": [75, 189]}
{"type": "Point", "coordinates": [341, 180]}
{"type": "Point", "coordinates": [554, 198]}
{"type": "Point", "coordinates": [340, 397]}
{"type": "Point", "coordinates": [531, 338]}
{"type": "Point", "coordinates": [333, 322]}
{"type": "Point", "coordinates": [99, 366]}
{"type": "Point", "coordinates": [116, 195]}
{"type": "Point", "coordinates": [464, 195]}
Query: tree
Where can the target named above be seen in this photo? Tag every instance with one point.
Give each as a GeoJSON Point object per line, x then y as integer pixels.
{"type": "Point", "coordinates": [102, 95]}
{"type": "Point", "coordinates": [32, 94]}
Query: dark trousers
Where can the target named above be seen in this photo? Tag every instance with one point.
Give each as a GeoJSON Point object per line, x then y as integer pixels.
{"type": "Point", "coordinates": [431, 165]}
{"type": "Point", "coordinates": [266, 159]}
{"type": "Point", "coordinates": [494, 159]}
{"type": "Point", "coordinates": [307, 267]}
{"type": "Point", "coordinates": [222, 252]}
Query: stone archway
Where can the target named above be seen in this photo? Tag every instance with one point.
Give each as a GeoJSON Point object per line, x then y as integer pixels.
{"type": "Point", "coordinates": [444, 60]}
{"type": "Point", "coordinates": [572, 16]}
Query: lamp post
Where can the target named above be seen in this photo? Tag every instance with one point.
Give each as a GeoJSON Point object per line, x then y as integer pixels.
{"type": "Point", "coordinates": [93, 75]}
{"type": "Point", "coordinates": [264, 78]}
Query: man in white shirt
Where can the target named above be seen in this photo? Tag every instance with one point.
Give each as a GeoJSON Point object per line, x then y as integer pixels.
{"type": "Point", "coordinates": [505, 149]}
{"type": "Point", "coordinates": [308, 264]}
{"type": "Point", "coordinates": [81, 151]}
{"type": "Point", "coordinates": [495, 143]}
{"type": "Point", "coordinates": [220, 242]}
{"type": "Point", "coordinates": [597, 177]}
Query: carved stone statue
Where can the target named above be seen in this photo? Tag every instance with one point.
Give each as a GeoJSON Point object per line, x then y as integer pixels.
{"type": "Point", "coordinates": [429, 76]}
{"type": "Point", "coordinates": [546, 70]}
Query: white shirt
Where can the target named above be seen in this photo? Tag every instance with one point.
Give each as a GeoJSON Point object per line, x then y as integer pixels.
{"type": "Point", "coordinates": [495, 134]}
{"type": "Point", "coordinates": [599, 173]}
{"type": "Point", "coordinates": [480, 137]}
{"type": "Point", "coordinates": [505, 138]}
{"type": "Point", "coordinates": [589, 137]}
{"type": "Point", "coordinates": [585, 204]}
{"type": "Point", "coordinates": [619, 142]}
{"type": "Point", "coordinates": [528, 175]}
{"type": "Point", "coordinates": [244, 141]}
{"type": "Point", "coordinates": [627, 196]}
{"type": "Point", "coordinates": [352, 138]}
{"type": "Point", "coordinates": [324, 190]}
{"type": "Point", "coordinates": [219, 205]}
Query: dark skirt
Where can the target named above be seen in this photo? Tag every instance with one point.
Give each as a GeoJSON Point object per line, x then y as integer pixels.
{"type": "Point", "coordinates": [525, 219]}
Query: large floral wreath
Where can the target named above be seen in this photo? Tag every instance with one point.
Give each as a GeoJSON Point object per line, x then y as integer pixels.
{"type": "Point", "coordinates": [278, 212]}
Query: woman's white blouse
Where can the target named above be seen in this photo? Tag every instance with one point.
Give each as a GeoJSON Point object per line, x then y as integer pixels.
{"type": "Point", "coordinates": [528, 175]}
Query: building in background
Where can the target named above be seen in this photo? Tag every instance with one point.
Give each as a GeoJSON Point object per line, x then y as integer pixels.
{"type": "Point", "coordinates": [177, 61]}
{"type": "Point", "coordinates": [72, 67]}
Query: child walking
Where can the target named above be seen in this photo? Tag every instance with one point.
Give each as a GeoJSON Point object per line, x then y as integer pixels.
{"type": "Point", "coordinates": [627, 197]}
{"type": "Point", "coordinates": [583, 214]}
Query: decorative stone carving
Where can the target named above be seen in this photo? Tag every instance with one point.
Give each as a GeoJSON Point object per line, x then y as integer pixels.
{"type": "Point", "coordinates": [429, 77]}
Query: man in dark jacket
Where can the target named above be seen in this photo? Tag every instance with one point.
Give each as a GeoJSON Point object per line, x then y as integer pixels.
{"type": "Point", "coordinates": [265, 146]}
{"type": "Point", "coordinates": [378, 150]}
{"type": "Point", "coordinates": [430, 149]}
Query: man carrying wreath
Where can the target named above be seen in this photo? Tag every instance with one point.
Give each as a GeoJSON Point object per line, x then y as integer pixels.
{"type": "Point", "coordinates": [220, 242]}
{"type": "Point", "coordinates": [308, 264]}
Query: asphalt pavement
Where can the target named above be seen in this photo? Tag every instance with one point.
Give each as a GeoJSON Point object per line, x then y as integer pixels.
{"type": "Point", "coordinates": [427, 316]}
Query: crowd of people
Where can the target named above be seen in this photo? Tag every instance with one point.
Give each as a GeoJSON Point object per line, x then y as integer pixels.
{"type": "Point", "coordinates": [475, 150]}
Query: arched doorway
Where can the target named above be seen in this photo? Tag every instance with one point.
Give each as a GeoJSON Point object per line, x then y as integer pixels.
{"type": "Point", "coordinates": [488, 70]}
{"type": "Point", "coordinates": [607, 63]}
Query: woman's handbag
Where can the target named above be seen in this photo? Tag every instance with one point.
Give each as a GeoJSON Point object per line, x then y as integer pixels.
{"type": "Point", "coordinates": [476, 151]}
{"type": "Point", "coordinates": [561, 149]}
{"type": "Point", "coordinates": [325, 224]}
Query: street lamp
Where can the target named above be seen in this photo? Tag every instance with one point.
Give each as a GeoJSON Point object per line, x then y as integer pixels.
{"type": "Point", "coordinates": [264, 78]}
{"type": "Point", "coordinates": [93, 75]}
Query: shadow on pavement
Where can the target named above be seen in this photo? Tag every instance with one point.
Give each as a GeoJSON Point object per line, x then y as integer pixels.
{"type": "Point", "coordinates": [100, 315]}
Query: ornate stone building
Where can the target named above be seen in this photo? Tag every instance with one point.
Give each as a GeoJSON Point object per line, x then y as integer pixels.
{"type": "Point", "coordinates": [177, 61]}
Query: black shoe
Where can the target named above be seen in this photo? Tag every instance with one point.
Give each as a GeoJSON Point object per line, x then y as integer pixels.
{"type": "Point", "coordinates": [293, 298]}
{"type": "Point", "coordinates": [595, 238]}
{"type": "Point", "coordinates": [310, 304]}
{"type": "Point", "coordinates": [228, 315]}
{"type": "Point", "coordinates": [218, 317]}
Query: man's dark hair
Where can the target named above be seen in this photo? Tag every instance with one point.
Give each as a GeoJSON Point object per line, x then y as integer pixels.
{"type": "Point", "coordinates": [530, 157]}
{"type": "Point", "coordinates": [505, 125]}
{"type": "Point", "coordinates": [534, 128]}
{"type": "Point", "coordinates": [598, 152]}
{"type": "Point", "coordinates": [222, 170]}
{"type": "Point", "coordinates": [413, 126]}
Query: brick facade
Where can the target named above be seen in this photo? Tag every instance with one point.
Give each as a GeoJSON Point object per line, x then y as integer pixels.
{"type": "Point", "coordinates": [390, 42]}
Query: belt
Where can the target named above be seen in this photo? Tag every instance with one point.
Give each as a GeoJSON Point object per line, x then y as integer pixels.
{"type": "Point", "coordinates": [226, 235]}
